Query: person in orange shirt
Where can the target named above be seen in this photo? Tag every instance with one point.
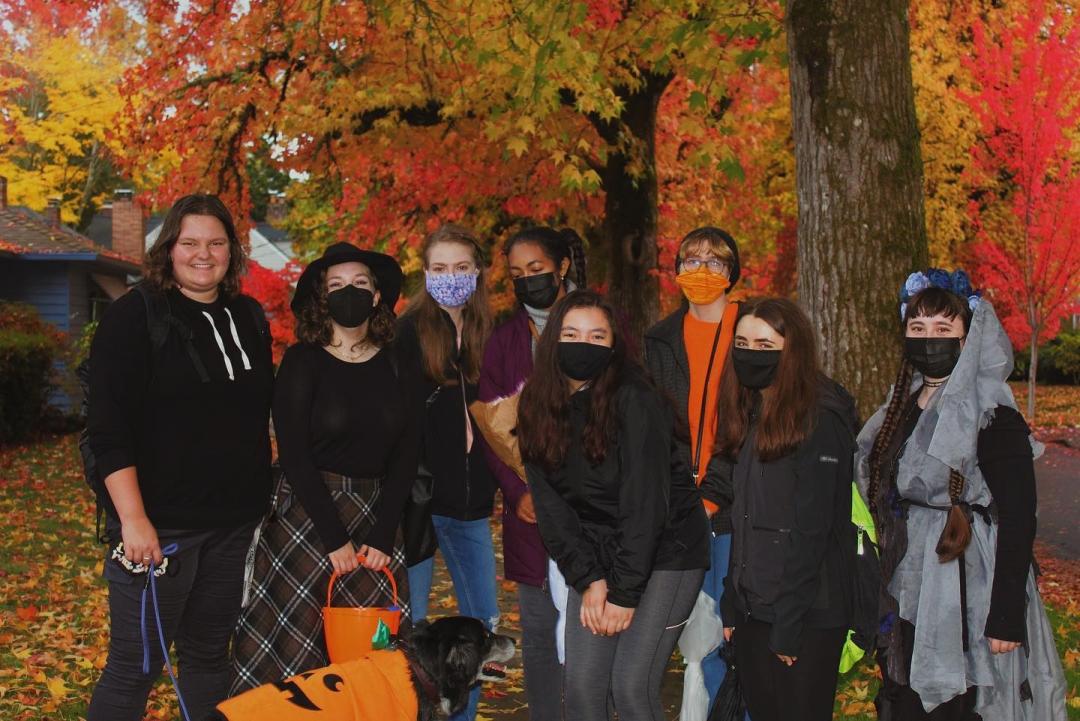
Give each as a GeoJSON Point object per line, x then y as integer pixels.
{"type": "Point", "coordinates": [686, 353]}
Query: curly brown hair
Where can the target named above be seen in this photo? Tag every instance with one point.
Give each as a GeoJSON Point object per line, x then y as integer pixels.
{"type": "Point", "coordinates": [313, 324]}
{"type": "Point", "coordinates": [157, 268]}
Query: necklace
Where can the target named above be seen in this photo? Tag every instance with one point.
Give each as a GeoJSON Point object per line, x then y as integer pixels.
{"type": "Point", "coordinates": [362, 352]}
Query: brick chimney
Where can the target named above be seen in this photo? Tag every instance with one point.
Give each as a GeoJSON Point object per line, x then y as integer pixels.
{"type": "Point", "coordinates": [3, 192]}
{"type": "Point", "coordinates": [277, 210]}
{"type": "Point", "coordinates": [128, 225]}
{"type": "Point", "coordinates": [52, 212]}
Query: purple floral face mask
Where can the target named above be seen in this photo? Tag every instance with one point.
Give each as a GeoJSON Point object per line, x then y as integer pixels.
{"type": "Point", "coordinates": [450, 290]}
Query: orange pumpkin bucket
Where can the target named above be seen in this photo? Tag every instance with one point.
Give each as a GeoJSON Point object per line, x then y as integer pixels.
{"type": "Point", "coordinates": [349, 630]}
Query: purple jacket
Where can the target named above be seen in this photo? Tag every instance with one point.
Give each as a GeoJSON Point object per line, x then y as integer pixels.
{"type": "Point", "coordinates": [507, 363]}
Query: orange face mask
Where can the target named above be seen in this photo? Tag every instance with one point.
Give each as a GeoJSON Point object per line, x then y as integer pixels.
{"type": "Point", "coordinates": [702, 286]}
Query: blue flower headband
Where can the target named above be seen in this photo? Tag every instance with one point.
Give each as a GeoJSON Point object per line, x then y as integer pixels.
{"type": "Point", "coordinates": [956, 282]}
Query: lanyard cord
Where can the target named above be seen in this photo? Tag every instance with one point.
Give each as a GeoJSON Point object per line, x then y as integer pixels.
{"type": "Point", "coordinates": [704, 398]}
{"type": "Point", "coordinates": [151, 583]}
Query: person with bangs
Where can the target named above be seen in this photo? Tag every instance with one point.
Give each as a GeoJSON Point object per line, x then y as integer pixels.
{"type": "Point", "coordinates": [686, 354]}
{"type": "Point", "coordinates": [347, 431]}
{"type": "Point", "coordinates": [789, 431]}
{"type": "Point", "coordinates": [545, 264]}
{"type": "Point", "coordinates": [441, 336]}
{"type": "Point", "coordinates": [946, 467]}
{"type": "Point", "coordinates": [628, 534]}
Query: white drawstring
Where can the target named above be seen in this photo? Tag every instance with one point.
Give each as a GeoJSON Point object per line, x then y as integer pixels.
{"type": "Point", "coordinates": [221, 344]}
{"type": "Point", "coordinates": [236, 340]}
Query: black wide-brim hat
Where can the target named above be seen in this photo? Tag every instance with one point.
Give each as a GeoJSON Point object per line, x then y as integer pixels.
{"type": "Point", "coordinates": [387, 272]}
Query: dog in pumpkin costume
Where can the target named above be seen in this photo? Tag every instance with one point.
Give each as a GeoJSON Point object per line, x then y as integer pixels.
{"type": "Point", "coordinates": [430, 672]}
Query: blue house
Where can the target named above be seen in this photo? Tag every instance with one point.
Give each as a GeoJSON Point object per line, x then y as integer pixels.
{"type": "Point", "coordinates": [66, 276]}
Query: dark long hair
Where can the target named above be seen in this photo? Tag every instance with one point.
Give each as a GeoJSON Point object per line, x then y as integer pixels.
{"type": "Point", "coordinates": [957, 532]}
{"type": "Point", "coordinates": [544, 408]}
{"type": "Point", "coordinates": [313, 324]}
{"type": "Point", "coordinates": [157, 269]}
{"type": "Point", "coordinates": [557, 245]}
{"type": "Point", "coordinates": [788, 404]}
{"type": "Point", "coordinates": [437, 341]}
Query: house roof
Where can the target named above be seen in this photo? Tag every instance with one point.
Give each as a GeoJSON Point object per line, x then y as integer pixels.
{"type": "Point", "coordinates": [31, 236]}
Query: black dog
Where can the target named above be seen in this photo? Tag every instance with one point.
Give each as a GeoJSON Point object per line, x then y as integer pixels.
{"type": "Point", "coordinates": [430, 672]}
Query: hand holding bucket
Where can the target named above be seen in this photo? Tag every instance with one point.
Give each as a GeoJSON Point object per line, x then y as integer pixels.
{"type": "Point", "coordinates": [349, 630]}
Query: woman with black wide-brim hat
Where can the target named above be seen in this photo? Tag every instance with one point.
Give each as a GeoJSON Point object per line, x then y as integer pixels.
{"type": "Point", "coordinates": [347, 438]}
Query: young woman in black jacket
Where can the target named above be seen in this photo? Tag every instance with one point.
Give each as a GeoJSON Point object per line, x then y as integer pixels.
{"type": "Point", "coordinates": [787, 597]}
{"type": "Point", "coordinates": [628, 534]}
{"type": "Point", "coordinates": [441, 338]}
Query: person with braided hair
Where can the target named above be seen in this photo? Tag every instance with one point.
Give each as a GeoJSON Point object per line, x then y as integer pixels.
{"type": "Point", "coordinates": [545, 264]}
{"type": "Point", "coordinates": [946, 467]}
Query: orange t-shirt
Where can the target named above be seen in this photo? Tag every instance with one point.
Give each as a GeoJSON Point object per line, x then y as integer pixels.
{"type": "Point", "coordinates": [698, 336]}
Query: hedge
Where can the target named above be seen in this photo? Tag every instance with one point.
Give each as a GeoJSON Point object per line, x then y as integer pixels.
{"type": "Point", "coordinates": [26, 372]}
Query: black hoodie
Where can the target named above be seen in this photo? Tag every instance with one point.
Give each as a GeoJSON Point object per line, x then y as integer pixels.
{"type": "Point", "coordinates": [792, 538]}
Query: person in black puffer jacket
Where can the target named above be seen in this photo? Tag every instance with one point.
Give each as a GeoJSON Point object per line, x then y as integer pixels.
{"type": "Point", "coordinates": [790, 430]}
{"type": "Point", "coordinates": [628, 533]}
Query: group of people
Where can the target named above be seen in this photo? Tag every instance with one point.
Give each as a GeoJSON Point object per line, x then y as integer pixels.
{"type": "Point", "coordinates": [715, 476]}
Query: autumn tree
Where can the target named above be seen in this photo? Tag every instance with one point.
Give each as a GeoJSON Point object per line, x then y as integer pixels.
{"type": "Point", "coordinates": [402, 115]}
{"type": "Point", "coordinates": [1027, 212]}
{"type": "Point", "coordinates": [858, 180]}
{"type": "Point", "coordinates": [60, 107]}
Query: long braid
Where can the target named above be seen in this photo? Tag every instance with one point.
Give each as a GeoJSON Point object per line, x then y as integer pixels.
{"type": "Point", "coordinates": [957, 532]}
{"type": "Point", "coordinates": [576, 246]}
{"type": "Point", "coordinates": [889, 427]}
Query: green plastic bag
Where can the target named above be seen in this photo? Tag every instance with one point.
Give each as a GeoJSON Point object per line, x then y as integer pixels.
{"type": "Point", "coordinates": [381, 639]}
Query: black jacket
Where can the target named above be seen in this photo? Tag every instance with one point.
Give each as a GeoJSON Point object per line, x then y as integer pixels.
{"type": "Point", "coordinates": [793, 540]}
{"type": "Point", "coordinates": [666, 359]}
{"type": "Point", "coordinates": [627, 516]}
{"type": "Point", "coordinates": [463, 486]}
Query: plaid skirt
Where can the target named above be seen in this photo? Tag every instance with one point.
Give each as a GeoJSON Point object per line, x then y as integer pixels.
{"type": "Point", "coordinates": [280, 631]}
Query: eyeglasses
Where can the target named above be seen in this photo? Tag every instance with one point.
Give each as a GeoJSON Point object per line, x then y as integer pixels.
{"type": "Point", "coordinates": [715, 265]}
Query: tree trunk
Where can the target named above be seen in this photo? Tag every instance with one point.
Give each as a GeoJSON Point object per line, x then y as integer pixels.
{"type": "Point", "coordinates": [1033, 369]}
{"type": "Point", "coordinates": [630, 210]}
{"type": "Point", "coordinates": [858, 182]}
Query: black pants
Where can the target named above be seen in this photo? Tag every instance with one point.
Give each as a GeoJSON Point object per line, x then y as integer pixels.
{"type": "Point", "coordinates": [199, 600]}
{"type": "Point", "coordinates": [774, 691]}
{"type": "Point", "coordinates": [896, 702]}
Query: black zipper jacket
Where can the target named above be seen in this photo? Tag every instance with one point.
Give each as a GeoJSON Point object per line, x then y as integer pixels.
{"type": "Point", "coordinates": [629, 515]}
{"type": "Point", "coordinates": [666, 359]}
{"type": "Point", "coordinates": [463, 485]}
{"type": "Point", "coordinates": [793, 541]}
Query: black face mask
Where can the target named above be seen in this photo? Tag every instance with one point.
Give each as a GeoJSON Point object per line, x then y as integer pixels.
{"type": "Point", "coordinates": [755, 369]}
{"type": "Point", "coordinates": [582, 361]}
{"type": "Point", "coordinates": [537, 291]}
{"type": "Point", "coordinates": [350, 306]}
{"type": "Point", "coordinates": [933, 357]}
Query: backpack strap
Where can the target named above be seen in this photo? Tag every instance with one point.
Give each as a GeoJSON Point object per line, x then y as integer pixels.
{"type": "Point", "coordinates": [160, 321]}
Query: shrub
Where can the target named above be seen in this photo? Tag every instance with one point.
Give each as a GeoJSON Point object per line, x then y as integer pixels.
{"type": "Point", "coordinates": [1064, 353]}
{"type": "Point", "coordinates": [26, 378]}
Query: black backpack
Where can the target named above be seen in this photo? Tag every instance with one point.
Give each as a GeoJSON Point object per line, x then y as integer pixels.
{"type": "Point", "coordinates": [161, 322]}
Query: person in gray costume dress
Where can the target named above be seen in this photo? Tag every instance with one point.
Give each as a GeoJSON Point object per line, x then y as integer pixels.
{"type": "Point", "coordinates": [946, 467]}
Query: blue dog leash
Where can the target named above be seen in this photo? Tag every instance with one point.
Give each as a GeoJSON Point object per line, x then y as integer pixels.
{"type": "Point", "coordinates": [152, 584]}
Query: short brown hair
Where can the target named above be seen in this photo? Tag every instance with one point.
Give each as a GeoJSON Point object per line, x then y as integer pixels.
{"type": "Point", "coordinates": [704, 238]}
{"type": "Point", "coordinates": [157, 269]}
{"type": "Point", "coordinates": [313, 324]}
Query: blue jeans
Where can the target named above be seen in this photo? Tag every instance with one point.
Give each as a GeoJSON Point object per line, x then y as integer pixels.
{"type": "Point", "coordinates": [467, 548]}
{"type": "Point", "coordinates": [713, 667]}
